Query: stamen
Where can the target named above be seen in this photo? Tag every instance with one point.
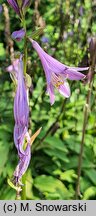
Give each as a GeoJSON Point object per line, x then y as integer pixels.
{"type": "Point", "coordinates": [57, 81]}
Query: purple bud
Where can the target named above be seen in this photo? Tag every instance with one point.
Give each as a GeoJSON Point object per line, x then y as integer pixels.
{"type": "Point", "coordinates": [18, 35]}
{"type": "Point", "coordinates": [14, 5]}
{"type": "Point", "coordinates": [19, 6]}
{"type": "Point", "coordinates": [26, 3]}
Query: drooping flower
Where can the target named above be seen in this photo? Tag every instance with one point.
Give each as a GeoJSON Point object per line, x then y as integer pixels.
{"type": "Point", "coordinates": [57, 73]}
{"type": "Point", "coordinates": [18, 35]}
{"type": "Point", "coordinates": [21, 109]}
{"type": "Point", "coordinates": [21, 116]}
{"type": "Point", "coordinates": [22, 139]}
{"type": "Point", "coordinates": [23, 164]}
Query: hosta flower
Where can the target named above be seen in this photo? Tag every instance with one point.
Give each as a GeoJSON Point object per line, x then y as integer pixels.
{"type": "Point", "coordinates": [23, 164]}
{"type": "Point", "coordinates": [21, 116]}
{"type": "Point", "coordinates": [21, 109]}
{"type": "Point", "coordinates": [57, 73]}
{"type": "Point", "coordinates": [18, 35]}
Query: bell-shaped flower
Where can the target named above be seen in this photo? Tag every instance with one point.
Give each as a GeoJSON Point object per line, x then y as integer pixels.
{"type": "Point", "coordinates": [18, 35]}
{"type": "Point", "coordinates": [57, 73]}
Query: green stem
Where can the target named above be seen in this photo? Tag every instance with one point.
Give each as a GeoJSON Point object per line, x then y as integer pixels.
{"type": "Point", "coordinates": [86, 112]}
{"type": "Point", "coordinates": [23, 192]}
{"type": "Point", "coordinates": [25, 54]}
{"type": "Point", "coordinates": [25, 47]}
{"type": "Point", "coordinates": [18, 196]}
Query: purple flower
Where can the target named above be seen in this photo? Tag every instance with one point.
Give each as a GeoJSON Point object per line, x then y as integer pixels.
{"type": "Point", "coordinates": [21, 116]}
{"type": "Point", "coordinates": [18, 35]}
{"type": "Point", "coordinates": [14, 5]}
{"type": "Point", "coordinates": [19, 6]}
{"type": "Point", "coordinates": [23, 164]}
{"type": "Point", "coordinates": [21, 109]}
{"type": "Point", "coordinates": [26, 3]}
{"type": "Point", "coordinates": [22, 139]}
{"type": "Point", "coordinates": [57, 73]}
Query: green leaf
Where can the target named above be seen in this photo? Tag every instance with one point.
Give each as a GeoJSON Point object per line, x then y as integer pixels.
{"type": "Point", "coordinates": [10, 183]}
{"type": "Point", "coordinates": [3, 155]}
{"type": "Point", "coordinates": [68, 176]}
{"type": "Point", "coordinates": [2, 51]}
{"type": "Point", "coordinates": [37, 32]}
{"type": "Point", "coordinates": [49, 185]}
{"type": "Point", "coordinates": [89, 193]}
{"type": "Point", "coordinates": [91, 173]}
{"type": "Point", "coordinates": [56, 153]}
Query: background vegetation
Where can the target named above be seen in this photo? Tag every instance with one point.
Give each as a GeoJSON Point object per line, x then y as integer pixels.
{"type": "Point", "coordinates": [69, 25]}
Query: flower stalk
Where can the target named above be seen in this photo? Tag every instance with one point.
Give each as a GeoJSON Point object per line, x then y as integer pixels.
{"type": "Point", "coordinates": [25, 47]}
{"type": "Point", "coordinates": [91, 73]}
{"type": "Point", "coordinates": [23, 192]}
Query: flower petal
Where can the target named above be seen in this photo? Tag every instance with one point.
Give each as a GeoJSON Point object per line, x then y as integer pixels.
{"type": "Point", "coordinates": [13, 68]}
{"type": "Point", "coordinates": [21, 110]}
{"type": "Point", "coordinates": [54, 64]}
{"type": "Point", "coordinates": [14, 5]}
{"type": "Point", "coordinates": [18, 35]}
{"type": "Point", "coordinates": [23, 164]}
{"type": "Point", "coordinates": [73, 74]}
{"type": "Point", "coordinates": [26, 3]}
{"type": "Point", "coordinates": [65, 90]}
{"type": "Point", "coordinates": [80, 68]}
{"type": "Point", "coordinates": [57, 67]}
{"type": "Point", "coordinates": [50, 90]}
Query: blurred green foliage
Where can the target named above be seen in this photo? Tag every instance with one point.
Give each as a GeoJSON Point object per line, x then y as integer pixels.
{"type": "Point", "coordinates": [53, 169]}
